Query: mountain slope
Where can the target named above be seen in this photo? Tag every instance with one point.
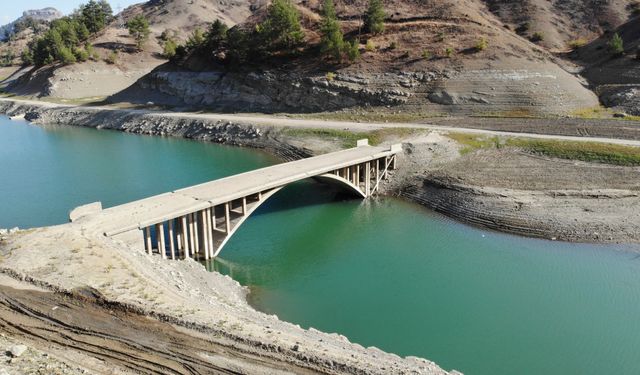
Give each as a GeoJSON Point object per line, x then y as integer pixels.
{"type": "Point", "coordinates": [562, 21]}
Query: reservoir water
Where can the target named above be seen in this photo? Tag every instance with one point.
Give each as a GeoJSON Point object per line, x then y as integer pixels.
{"type": "Point", "coordinates": [383, 272]}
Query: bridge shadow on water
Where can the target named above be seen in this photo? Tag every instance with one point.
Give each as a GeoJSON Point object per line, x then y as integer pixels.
{"type": "Point", "coordinates": [267, 250]}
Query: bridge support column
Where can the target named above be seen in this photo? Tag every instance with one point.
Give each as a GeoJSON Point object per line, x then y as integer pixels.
{"type": "Point", "coordinates": [210, 230]}
{"type": "Point", "coordinates": [196, 235]}
{"type": "Point", "coordinates": [185, 236]}
{"type": "Point", "coordinates": [204, 238]}
{"type": "Point", "coordinates": [367, 179]}
{"type": "Point", "coordinates": [227, 218]}
{"type": "Point", "coordinates": [192, 245]}
{"type": "Point", "coordinates": [172, 246]}
{"type": "Point", "coordinates": [161, 243]}
{"type": "Point", "coordinates": [147, 240]}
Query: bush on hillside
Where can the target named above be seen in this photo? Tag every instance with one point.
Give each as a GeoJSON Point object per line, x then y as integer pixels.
{"type": "Point", "coordinates": [616, 45]}
{"type": "Point", "coordinates": [139, 29]}
{"type": "Point", "coordinates": [374, 17]}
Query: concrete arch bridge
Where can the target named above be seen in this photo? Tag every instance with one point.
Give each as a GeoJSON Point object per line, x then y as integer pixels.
{"type": "Point", "coordinates": [197, 221]}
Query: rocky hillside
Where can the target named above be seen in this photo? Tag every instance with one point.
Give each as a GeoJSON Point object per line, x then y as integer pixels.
{"type": "Point", "coordinates": [46, 14]}
{"type": "Point", "coordinates": [426, 61]}
{"type": "Point", "coordinates": [561, 22]}
{"type": "Point", "coordinates": [93, 80]}
{"type": "Point", "coordinates": [614, 77]}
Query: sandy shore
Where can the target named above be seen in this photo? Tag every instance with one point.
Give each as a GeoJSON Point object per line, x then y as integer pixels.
{"type": "Point", "coordinates": [93, 290]}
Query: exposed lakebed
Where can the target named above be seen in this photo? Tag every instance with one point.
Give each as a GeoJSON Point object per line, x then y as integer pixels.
{"type": "Point", "coordinates": [382, 272]}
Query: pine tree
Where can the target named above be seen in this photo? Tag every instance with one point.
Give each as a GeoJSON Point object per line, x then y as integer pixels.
{"type": "Point", "coordinates": [616, 45]}
{"type": "Point", "coordinates": [332, 41]}
{"type": "Point", "coordinates": [282, 28]}
{"type": "Point", "coordinates": [374, 18]}
{"type": "Point", "coordinates": [139, 29]}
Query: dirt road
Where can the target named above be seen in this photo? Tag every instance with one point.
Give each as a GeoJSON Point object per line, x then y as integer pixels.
{"type": "Point", "coordinates": [568, 129]}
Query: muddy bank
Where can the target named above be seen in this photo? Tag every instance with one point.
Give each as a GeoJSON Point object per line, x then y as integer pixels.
{"type": "Point", "coordinates": [515, 192]}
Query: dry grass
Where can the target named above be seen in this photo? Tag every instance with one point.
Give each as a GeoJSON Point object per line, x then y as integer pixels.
{"type": "Point", "coordinates": [600, 113]}
{"type": "Point", "coordinates": [585, 151]}
{"type": "Point", "coordinates": [371, 116]}
{"type": "Point", "coordinates": [473, 142]}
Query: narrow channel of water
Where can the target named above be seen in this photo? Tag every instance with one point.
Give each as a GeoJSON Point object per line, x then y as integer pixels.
{"type": "Point", "coordinates": [382, 272]}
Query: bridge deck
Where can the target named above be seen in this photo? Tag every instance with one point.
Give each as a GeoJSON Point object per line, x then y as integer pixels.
{"type": "Point", "coordinates": [144, 212]}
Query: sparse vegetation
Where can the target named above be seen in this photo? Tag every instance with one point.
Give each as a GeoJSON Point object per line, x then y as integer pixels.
{"type": "Point", "coordinates": [448, 52]}
{"type": "Point", "coordinates": [538, 36]}
{"type": "Point", "coordinates": [482, 44]}
{"type": "Point", "coordinates": [393, 45]}
{"type": "Point", "coordinates": [426, 54]}
{"type": "Point", "coordinates": [349, 138]}
{"type": "Point", "coordinates": [523, 28]}
{"type": "Point", "coordinates": [331, 76]}
{"type": "Point", "coordinates": [585, 151]}
{"type": "Point", "coordinates": [7, 57]}
{"type": "Point", "coordinates": [169, 48]}
{"type": "Point", "coordinates": [473, 142]}
{"type": "Point", "coordinates": [353, 50]}
{"type": "Point", "coordinates": [577, 43]}
{"type": "Point", "coordinates": [139, 30]}
{"type": "Point", "coordinates": [616, 45]}
{"type": "Point", "coordinates": [370, 46]}
{"type": "Point", "coordinates": [571, 150]}
{"type": "Point", "coordinates": [112, 58]}
{"type": "Point", "coordinates": [374, 17]}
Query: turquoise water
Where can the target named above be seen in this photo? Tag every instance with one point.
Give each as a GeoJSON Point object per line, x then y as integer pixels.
{"type": "Point", "coordinates": [382, 272]}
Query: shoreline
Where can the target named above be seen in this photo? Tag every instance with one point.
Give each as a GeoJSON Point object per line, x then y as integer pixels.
{"type": "Point", "coordinates": [423, 155]}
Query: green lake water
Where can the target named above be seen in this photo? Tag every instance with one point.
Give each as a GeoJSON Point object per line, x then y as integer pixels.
{"type": "Point", "coordinates": [383, 272]}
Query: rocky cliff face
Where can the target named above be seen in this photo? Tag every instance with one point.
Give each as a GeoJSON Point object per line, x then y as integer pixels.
{"type": "Point", "coordinates": [549, 90]}
{"type": "Point", "coordinates": [46, 14]}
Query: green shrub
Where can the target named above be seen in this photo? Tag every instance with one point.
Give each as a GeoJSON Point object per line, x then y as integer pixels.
{"type": "Point", "coordinates": [353, 50]}
{"type": "Point", "coordinates": [370, 46]}
{"type": "Point", "coordinates": [282, 28]}
{"type": "Point", "coordinates": [616, 45]}
{"type": "Point", "coordinates": [577, 43]}
{"type": "Point", "coordinates": [448, 52]}
{"type": "Point", "coordinates": [426, 54]}
{"type": "Point", "coordinates": [66, 56]}
{"type": "Point", "coordinates": [332, 39]}
{"type": "Point", "coordinates": [169, 49]}
{"type": "Point", "coordinates": [482, 44]}
{"type": "Point", "coordinates": [81, 54]}
{"type": "Point", "coordinates": [139, 29]}
{"type": "Point", "coordinates": [393, 45]}
{"type": "Point", "coordinates": [331, 76]}
{"type": "Point", "coordinates": [112, 58]}
{"type": "Point", "coordinates": [93, 54]}
{"type": "Point", "coordinates": [374, 17]}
